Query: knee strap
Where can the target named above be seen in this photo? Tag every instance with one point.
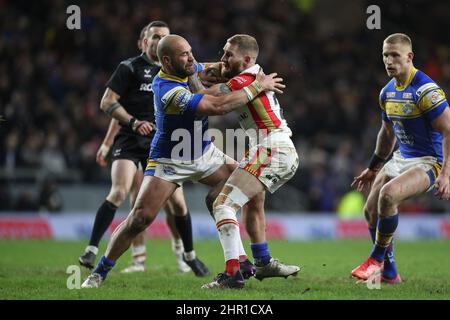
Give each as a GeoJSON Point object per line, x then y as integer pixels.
{"type": "Point", "coordinates": [231, 196]}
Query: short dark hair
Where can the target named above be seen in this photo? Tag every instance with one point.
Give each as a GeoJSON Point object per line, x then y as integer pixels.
{"type": "Point", "coordinates": [142, 34]}
{"type": "Point", "coordinates": [157, 23]}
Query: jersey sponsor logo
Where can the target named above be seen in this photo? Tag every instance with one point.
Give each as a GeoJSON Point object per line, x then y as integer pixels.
{"type": "Point", "coordinates": [408, 108]}
{"type": "Point", "coordinates": [146, 87]}
{"type": "Point", "coordinates": [147, 73]}
{"type": "Point", "coordinates": [117, 152]}
{"type": "Point", "coordinates": [390, 94]}
{"type": "Point", "coordinates": [407, 95]}
{"type": "Point", "coordinates": [436, 96]}
{"type": "Point", "coordinates": [240, 80]}
{"type": "Point", "coordinates": [182, 100]}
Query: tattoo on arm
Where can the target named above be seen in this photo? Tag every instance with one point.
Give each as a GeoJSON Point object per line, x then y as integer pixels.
{"type": "Point", "coordinates": [223, 89]}
{"type": "Point", "coordinates": [110, 110]}
{"type": "Point", "coordinates": [194, 83]}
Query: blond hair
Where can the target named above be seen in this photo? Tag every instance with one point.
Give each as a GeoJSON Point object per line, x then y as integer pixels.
{"type": "Point", "coordinates": [399, 38]}
{"type": "Point", "coordinates": [245, 43]}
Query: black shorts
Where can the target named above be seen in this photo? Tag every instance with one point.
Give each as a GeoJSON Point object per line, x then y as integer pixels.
{"type": "Point", "coordinates": [131, 147]}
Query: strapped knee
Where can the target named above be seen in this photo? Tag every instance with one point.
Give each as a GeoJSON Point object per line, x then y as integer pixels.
{"type": "Point", "coordinates": [231, 196]}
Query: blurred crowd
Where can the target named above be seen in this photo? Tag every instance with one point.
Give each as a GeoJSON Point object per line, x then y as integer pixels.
{"type": "Point", "coordinates": [52, 78]}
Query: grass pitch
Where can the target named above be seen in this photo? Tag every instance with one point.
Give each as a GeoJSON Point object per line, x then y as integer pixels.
{"type": "Point", "coordinates": [37, 270]}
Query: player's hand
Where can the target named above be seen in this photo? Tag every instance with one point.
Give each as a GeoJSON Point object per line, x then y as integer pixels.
{"type": "Point", "coordinates": [144, 128]}
{"type": "Point", "coordinates": [442, 185]}
{"type": "Point", "coordinates": [364, 180]}
{"type": "Point", "coordinates": [270, 82]}
{"type": "Point", "coordinates": [212, 75]}
{"type": "Point", "coordinates": [102, 153]}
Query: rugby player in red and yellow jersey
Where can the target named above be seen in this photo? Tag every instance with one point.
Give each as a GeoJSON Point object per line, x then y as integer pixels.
{"type": "Point", "coordinates": [271, 161]}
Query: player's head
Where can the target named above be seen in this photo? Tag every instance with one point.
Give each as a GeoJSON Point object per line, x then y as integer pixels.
{"type": "Point", "coordinates": [239, 53]}
{"type": "Point", "coordinates": [155, 31]}
{"type": "Point", "coordinates": [140, 42]}
{"type": "Point", "coordinates": [397, 54]}
{"type": "Point", "coordinates": [175, 56]}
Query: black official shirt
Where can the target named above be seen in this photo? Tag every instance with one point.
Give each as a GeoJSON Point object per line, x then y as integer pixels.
{"type": "Point", "coordinates": [132, 80]}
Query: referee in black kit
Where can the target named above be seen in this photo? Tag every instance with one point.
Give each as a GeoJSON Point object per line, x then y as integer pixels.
{"type": "Point", "coordinates": [128, 98]}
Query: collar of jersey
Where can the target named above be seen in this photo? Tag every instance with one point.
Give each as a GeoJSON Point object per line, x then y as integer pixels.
{"type": "Point", "coordinates": [252, 70]}
{"type": "Point", "coordinates": [407, 83]}
{"type": "Point", "coordinates": [170, 77]}
{"type": "Point", "coordinates": [147, 59]}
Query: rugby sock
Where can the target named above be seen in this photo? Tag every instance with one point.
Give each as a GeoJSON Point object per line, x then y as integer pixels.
{"type": "Point", "coordinates": [372, 232]}
{"type": "Point", "coordinates": [242, 253]}
{"type": "Point", "coordinates": [177, 246]}
{"type": "Point", "coordinates": [260, 252]}
{"type": "Point", "coordinates": [103, 219]}
{"type": "Point", "coordinates": [385, 232]}
{"type": "Point", "coordinates": [92, 249]}
{"type": "Point", "coordinates": [139, 254]}
{"type": "Point", "coordinates": [184, 227]}
{"type": "Point", "coordinates": [104, 266]}
{"type": "Point", "coordinates": [232, 266]}
{"type": "Point", "coordinates": [390, 268]}
{"type": "Point", "coordinates": [229, 236]}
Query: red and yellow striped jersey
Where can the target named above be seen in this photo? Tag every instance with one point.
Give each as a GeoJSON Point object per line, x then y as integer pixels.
{"type": "Point", "coordinates": [261, 116]}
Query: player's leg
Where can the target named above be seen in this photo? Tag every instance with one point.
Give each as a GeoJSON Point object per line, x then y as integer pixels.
{"type": "Point", "coordinates": [229, 233]}
{"type": "Point", "coordinates": [412, 182]}
{"type": "Point", "coordinates": [371, 214]}
{"type": "Point", "coordinates": [254, 221]}
{"type": "Point", "coordinates": [138, 249]}
{"type": "Point", "coordinates": [177, 243]}
{"type": "Point", "coordinates": [176, 207]}
{"type": "Point", "coordinates": [122, 173]}
{"type": "Point", "coordinates": [153, 194]}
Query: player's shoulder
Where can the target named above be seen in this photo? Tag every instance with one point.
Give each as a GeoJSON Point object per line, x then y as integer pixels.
{"type": "Point", "coordinates": [389, 87]}
{"type": "Point", "coordinates": [422, 84]}
{"type": "Point", "coordinates": [168, 85]}
{"type": "Point", "coordinates": [130, 63]}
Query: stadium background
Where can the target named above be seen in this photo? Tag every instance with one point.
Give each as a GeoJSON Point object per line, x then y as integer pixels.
{"type": "Point", "coordinates": [52, 80]}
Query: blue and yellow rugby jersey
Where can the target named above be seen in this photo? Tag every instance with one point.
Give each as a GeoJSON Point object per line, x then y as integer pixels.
{"type": "Point", "coordinates": [175, 108]}
{"type": "Point", "coordinates": [411, 108]}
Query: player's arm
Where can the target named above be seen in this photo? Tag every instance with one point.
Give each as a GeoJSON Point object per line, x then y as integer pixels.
{"type": "Point", "coordinates": [212, 105]}
{"type": "Point", "coordinates": [111, 106]}
{"type": "Point", "coordinates": [442, 183]}
{"type": "Point", "coordinates": [385, 144]}
{"type": "Point", "coordinates": [105, 147]}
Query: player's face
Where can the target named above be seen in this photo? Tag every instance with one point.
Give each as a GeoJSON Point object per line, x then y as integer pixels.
{"type": "Point", "coordinates": [233, 61]}
{"type": "Point", "coordinates": [154, 34]}
{"type": "Point", "coordinates": [397, 58]}
{"type": "Point", "coordinates": [182, 60]}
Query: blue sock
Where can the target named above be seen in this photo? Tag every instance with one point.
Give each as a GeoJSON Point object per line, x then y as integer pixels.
{"type": "Point", "coordinates": [372, 232]}
{"type": "Point", "coordinates": [385, 232]}
{"type": "Point", "coordinates": [261, 254]}
{"type": "Point", "coordinates": [390, 268]}
{"type": "Point", "coordinates": [104, 266]}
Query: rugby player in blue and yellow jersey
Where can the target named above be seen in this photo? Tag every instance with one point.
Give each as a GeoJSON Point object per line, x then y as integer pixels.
{"type": "Point", "coordinates": [179, 114]}
{"type": "Point", "coordinates": [415, 115]}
